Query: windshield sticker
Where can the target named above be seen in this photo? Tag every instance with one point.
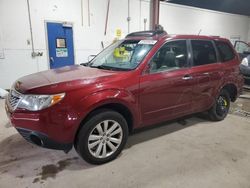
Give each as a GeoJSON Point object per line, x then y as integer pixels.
{"type": "Point", "coordinates": [150, 42]}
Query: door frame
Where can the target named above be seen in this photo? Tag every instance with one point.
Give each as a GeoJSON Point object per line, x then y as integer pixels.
{"type": "Point", "coordinates": [47, 40]}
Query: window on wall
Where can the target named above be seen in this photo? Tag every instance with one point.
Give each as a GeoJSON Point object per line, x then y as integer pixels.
{"type": "Point", "coordinates": [203, 52]}
{"type": "Point", "coordinates": [61, 43]}
{"type": "Point", "coordinates": [225, 51]}
{"type": "Point", "coordinates": [171, 56]}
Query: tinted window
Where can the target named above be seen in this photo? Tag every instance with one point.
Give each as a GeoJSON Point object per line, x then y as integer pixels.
{"type": "Point", "coordinates": [203, 52]}
{"type": "Point", "coordinates": [171, 56]}
{"type": "Point", "coordinates": [225, 51]}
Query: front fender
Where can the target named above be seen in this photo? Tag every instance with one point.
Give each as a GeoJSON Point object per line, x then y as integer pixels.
{"type": "Point", "coordinates": [110, 96]}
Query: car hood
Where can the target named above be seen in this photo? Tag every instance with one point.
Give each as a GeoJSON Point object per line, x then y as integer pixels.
{"type": "Point", "coordinates": [62, 79]}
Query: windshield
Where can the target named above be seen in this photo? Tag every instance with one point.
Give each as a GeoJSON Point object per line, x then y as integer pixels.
{"type": "Point", "coordinates": [123, 55]}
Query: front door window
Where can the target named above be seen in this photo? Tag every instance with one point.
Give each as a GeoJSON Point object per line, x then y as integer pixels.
{"type": "Point", "coordinates": [171, 56]}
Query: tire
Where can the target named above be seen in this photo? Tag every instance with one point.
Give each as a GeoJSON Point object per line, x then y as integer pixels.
{"type": "Point", "coordinates": [221, 106]}
{"type": "Point", "coordinates": [106, 130]}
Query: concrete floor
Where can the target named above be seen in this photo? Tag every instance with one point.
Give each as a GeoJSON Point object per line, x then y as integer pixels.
{"type": "Point", "coordinates": [198, 154]}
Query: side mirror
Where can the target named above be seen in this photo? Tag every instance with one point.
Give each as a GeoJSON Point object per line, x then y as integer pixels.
{"type": "Point", "coordinates": [91, 57]}
{"type": "Point", "coordinates": [84, 64]}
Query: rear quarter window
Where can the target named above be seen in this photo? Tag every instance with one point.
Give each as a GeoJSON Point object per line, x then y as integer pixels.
{"type": "Point", "coordinates": [225, 51]}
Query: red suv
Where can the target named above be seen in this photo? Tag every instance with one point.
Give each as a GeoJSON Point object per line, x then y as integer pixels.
{"type": "Point", "coordinates": [147, 78]}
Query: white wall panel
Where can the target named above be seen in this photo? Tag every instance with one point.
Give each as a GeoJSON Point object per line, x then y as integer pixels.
{"type": "Point", "coordinates": [178, 19]}
{"type": "Point", "coordinates": [145, 14]}
{"type": "Point", "coordinates": [1, 44]}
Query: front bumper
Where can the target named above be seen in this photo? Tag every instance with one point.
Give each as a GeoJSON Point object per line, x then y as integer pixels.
{"type": "Point", "coordinates": [53, 128]}
{"type": "Point", "coordinates": [43, 140]}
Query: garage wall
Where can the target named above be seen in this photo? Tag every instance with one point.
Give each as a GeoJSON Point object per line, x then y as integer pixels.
{"type": "Point", "coordinates": [189, 20]}
{"type": "Point", "coordinates": [15, 47]}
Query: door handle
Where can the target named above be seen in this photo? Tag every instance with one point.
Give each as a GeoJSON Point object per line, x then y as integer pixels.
{"type": "Point", "coordinates": [52, 60]}
{"type": "Point", "coordinates": [187, 77]}
{"type": "Point", "coordinates": [206, 73]}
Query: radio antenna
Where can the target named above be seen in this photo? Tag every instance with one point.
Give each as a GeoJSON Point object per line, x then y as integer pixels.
{"type": "Point", "coordinates": [200, 32]}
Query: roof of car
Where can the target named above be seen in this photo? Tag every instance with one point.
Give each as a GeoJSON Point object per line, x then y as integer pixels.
{"type": "Point", "coordinates": [194, 37]}
{"type": "Point", "coordinates": [151, 34]}
{"type": "Point", "coordinates": [160, 34]}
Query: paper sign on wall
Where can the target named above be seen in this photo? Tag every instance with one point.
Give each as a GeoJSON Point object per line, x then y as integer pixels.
{"type": "Point", "coordinates": [118, 33]}
{"type": "Point", "coordinates": [61, 52]}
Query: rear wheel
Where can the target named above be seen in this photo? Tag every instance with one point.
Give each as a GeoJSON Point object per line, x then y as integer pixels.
{"type": "Point", "coordinates": [221, 107]}
{"type": "Point", "coordinates": [102, 137]}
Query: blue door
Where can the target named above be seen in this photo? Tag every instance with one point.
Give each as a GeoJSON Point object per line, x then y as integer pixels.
{"type": "Point", "coordinates": [60, 42]}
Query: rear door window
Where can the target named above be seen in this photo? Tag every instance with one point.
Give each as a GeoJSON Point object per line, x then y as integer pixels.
{"type": "Point", "coordinates": [203, 52]}
{"type": "Point", "coordinates": [225, 51]}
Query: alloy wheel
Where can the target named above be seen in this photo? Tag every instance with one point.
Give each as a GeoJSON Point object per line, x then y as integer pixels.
{"type": "Point", "coordinates": [105, 138]}
{"type": "Point", "coordinates": [222, 105]}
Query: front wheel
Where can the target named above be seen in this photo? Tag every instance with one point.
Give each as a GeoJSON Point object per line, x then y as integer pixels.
{"type": "Point", "coordinates": [102, 137]}
{"type": "Point", "coordinates": [221, 107]}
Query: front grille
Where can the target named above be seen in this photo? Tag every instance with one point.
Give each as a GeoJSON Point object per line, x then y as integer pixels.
{"type": "Point", "coordinates": [13, 99]}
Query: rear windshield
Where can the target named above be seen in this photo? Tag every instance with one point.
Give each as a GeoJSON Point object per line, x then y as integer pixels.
{"type": "Point", "coordinates": [225, 51]}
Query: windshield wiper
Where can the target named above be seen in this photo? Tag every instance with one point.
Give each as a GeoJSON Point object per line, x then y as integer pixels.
{"type": "Point", "coordinates": [85, 64]}
{"type": "Point", "coordinates": [110, 68]}
{"type": "Point", "coordinates": [101, 67]}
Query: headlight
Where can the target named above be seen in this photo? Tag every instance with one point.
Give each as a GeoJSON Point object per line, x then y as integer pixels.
{"type": "Point", "coordinates": [244, 61]}
{"type": "Point", "coordinates": [39, 102]}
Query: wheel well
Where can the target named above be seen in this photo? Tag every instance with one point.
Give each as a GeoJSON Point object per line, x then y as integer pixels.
{"type": "Point", "coordinates": [232, 90]}
{"type": "Point", "coordinates": [123, 110]}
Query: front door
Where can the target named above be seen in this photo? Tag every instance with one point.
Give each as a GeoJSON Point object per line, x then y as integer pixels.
{"type": "Point", "coordinates": [166, 91]}
{"type": "Point", "coordinates": [60, 43]}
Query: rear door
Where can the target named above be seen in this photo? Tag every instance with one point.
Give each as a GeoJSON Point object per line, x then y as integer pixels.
{"type": "Point", "coordinates": [166, 90]}
{"type": "Point", "coordinates": [229, 60]}
{"type": "Point", "coordinates": [207, 72]}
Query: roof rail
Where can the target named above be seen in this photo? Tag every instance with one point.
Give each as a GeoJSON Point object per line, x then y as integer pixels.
{"type": "Point", "coordinates": [151, 33]}
{"type": "Point", "coordinates": [215, 36]}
